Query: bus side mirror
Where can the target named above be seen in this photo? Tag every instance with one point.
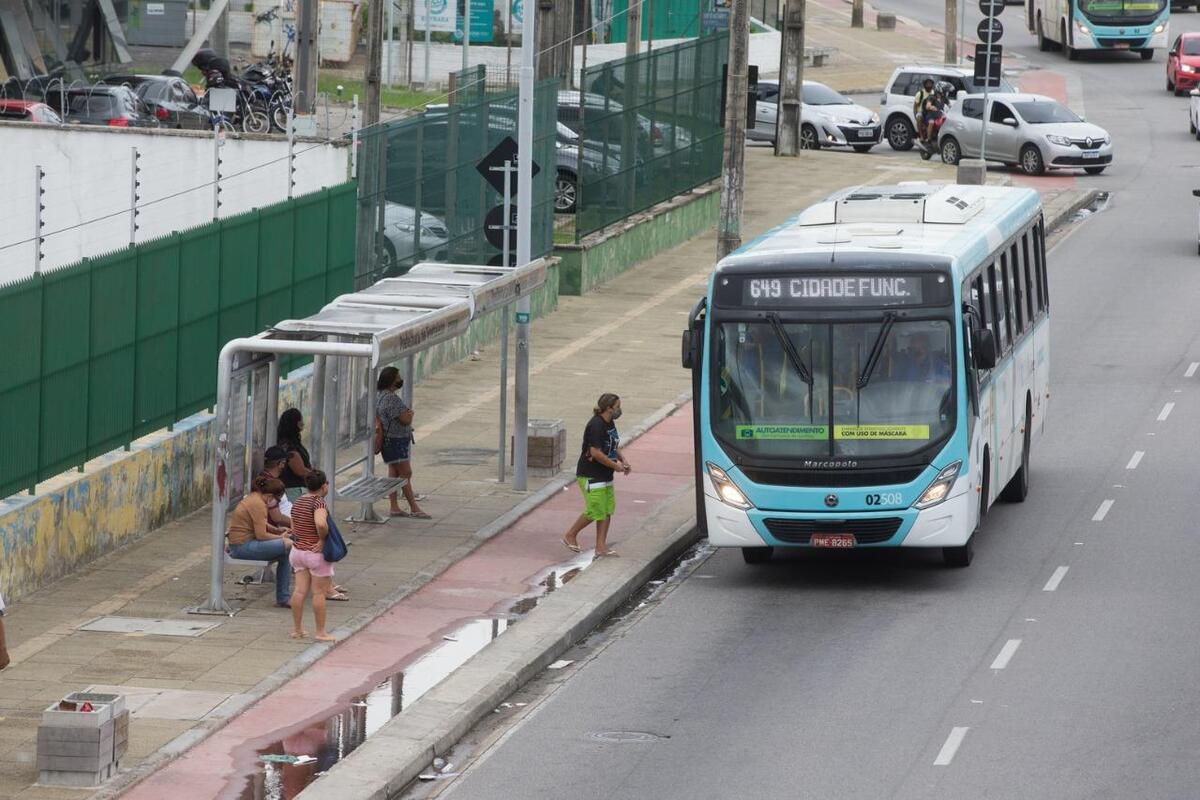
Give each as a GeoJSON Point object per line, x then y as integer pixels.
{"type": "Point", "coordinates": [691, 349]}
{"type": "Point", "coordinates": [983, 345]}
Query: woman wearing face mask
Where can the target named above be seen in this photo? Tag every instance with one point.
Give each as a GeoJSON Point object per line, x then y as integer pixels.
{"type": "Point", "coordinates": [396, 418]}
{"type": "Point", "coordinates": [298, 464]}
{"type": "Point", "coordinates": [599, 458]}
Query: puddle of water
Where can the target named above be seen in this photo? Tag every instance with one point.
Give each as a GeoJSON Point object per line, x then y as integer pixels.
{"type": "Point", "coordinates": [331, 740]}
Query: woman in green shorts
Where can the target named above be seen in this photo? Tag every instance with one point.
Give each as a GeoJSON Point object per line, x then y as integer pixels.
{"type": "Point", "coordinates": [599, 458]}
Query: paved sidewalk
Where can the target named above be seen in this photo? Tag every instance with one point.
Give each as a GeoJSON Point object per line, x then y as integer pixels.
{"type": "Point", "coordinates": [623, 337]}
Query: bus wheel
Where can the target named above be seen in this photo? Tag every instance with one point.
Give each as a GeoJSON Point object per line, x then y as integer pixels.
{"type": "Point", "coordinates": [1043, 42]}
{"type": "Point", "coordinates": [959, 556]}
{"type": "Point", "coordinates": [1147, 55]}
{"type": "Point", "coordinates": [1018, 488]}
{"type": "Point", "coordinates": [757, 555]}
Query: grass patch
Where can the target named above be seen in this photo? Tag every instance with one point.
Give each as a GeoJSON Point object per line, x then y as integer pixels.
{"type": "Point", "coordinates": [392, 98]}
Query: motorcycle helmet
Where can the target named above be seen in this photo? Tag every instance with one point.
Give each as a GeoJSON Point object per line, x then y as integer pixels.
{"type": "Point", "coordinates": [203, 58]}
{"type": "Point", "coordinates": [945, 89]}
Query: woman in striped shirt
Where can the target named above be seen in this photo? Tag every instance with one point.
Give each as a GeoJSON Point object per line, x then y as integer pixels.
{"type": "Point", "coordinates": [310, 526]}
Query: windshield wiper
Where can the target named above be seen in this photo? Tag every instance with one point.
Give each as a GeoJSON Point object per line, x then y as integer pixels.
{"type": "Point", "coordinates": [789, 350]}
{"type": "Point", "coordinates": [889, 319]}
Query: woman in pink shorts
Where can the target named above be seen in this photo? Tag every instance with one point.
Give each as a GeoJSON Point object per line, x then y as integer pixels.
{"type": "Point", "coordinates": [314, 575]}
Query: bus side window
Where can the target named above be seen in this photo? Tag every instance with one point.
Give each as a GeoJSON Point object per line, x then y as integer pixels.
{"type": "Point", "coordinates": [1027, 275]}
{"type": "Point", "coordinates": [1039, 258]}
{"type": "Point", "coordinates": [999, 320]}
{"type": "Point", "coordinates": [979, 300]}
{"type": "Point", "coordinates": [1016, 291]}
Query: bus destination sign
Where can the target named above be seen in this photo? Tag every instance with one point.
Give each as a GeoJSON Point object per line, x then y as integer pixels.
{"type": "Point", "coordinates": [840, 291]}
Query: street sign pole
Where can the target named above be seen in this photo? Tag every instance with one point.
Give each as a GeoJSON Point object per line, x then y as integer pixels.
{"type": "Point", "coordinates": [507, 262]}
{"type": "Point", "coordinates": [524, 244]}
{"type": "Point", "coordinates": [992, 36]}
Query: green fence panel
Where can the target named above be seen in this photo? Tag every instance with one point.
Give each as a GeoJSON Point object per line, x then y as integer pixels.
{"type": "Point", "coordinates": [156, 359]}
{"type": "Point", "coordinates": [114, 339]}
{"type": "Point", "coordinates": [199, 317]}
{"type": "Point", "coordinates": [20, 383]}
{"type": "Point", "coordinates": [66, 308]}
{"type": "Point", "coordinates": [239, 276]}
{"type": "Point", "coordinates": [662, 106]}
{"type": "Point", "coordinates": [115, 347]}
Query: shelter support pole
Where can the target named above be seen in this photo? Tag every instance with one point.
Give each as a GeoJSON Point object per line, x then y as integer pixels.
{"type": "Point", "coordinates": [410, 377]}
{"type": "Point", "coordinates": [316, 416]}
{"type": "Point", "coordinates": [525, 244]}
{"type": "Point", "coordinates": [272, 430]}
{"type": "Point", "coordinates": [367, 511]}
{"type": "Point", "coordinates": [329, 429]}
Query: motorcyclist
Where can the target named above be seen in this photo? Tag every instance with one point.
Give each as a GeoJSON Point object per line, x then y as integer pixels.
{"type": "Point", "coordinates": [927, 87]}
{"type": "Point", "coordinates": [932, 108]}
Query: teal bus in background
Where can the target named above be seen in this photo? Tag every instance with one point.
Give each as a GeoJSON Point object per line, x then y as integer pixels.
{"type": "Point", "coordinates": [1076, 25]}
{"type": "Point", "coordinates": [872, 373]}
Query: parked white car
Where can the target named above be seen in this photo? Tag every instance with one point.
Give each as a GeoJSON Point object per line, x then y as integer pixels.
{"type": "Point", "coordinates": [896, 102]}
{"type": "Point", "coordinates": [827, 118]}
{"type": "Point", "coordinates": [1031, 131]}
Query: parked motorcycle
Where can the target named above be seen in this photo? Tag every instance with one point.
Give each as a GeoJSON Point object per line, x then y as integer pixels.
{"type": "Point", "coordinates": [251, 114]}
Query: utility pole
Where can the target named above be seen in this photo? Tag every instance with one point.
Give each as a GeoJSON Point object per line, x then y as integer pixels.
{"type": "Point", "coordinates": [306, 56]}
{"type": "Point", "coordinates": [791, 80]}
{"type": "Point", "coordinates": [856, 14]}
{"type": "Point", "coordinates": [374, 61]}
{"type": "Point", "coordinates": [951, 54]}
{"type": "Point", "coordinates": [524, 245]}
{"type": "Point", "coordinates": [218, 39]}
{"type": "Point", "coordinates": [729, 226]}
{"type": "Point", "coordinates": [466, 40]}
{"type": "Point", "coordinates": [633, 28]}
{"type": "Point", "coordinates": [547, 12]}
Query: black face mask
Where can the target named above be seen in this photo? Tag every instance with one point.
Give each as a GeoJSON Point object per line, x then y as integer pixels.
{"type": "Point", "coordinates": [616, 414]}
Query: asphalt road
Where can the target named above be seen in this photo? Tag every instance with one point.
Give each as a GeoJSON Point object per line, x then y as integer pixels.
{"type": "Point", "coordinates": [1062, 664]}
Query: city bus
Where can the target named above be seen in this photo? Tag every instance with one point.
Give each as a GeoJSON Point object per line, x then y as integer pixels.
{"type": "Point", "coordinates": [1075, 25]}
{"type": "Point", "coordinates": [872, 373]}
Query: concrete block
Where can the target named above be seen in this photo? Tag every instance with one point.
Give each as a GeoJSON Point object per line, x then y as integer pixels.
{"type": "Point", "coordinates": [117, 701]}
{"type": "Point", "coordinates": [88, 764]}
{"type": "Point", "coordinates": [972, 172]}
{"type": "Point", "coordinates": [885, 22]}
{"type": "Point", "coordinates": [100, 751]}
{"type": "Point", "coordinates": [53, 777]}
{"type": "Point", "coordinates": [77, 719]}
{"type": "Point", "coordinates": [60, 733]}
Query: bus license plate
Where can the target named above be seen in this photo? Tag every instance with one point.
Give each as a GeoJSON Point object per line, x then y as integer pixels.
{"type": "Point", "coordinates": [832, 540]}
{"type": "Point", "coordinates": [1121, 46]}
{"type": "Point", "coordinates": [1091, 153]}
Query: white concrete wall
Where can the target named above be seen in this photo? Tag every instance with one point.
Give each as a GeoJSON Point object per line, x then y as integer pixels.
{"type": "Point", "coordinates": [447, 58]}
{"type": "Point", "coordinates": [87, 186]}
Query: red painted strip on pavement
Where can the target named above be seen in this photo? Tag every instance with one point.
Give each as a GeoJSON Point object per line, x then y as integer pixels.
{"type": "Point", "coordinates": [487, 580]}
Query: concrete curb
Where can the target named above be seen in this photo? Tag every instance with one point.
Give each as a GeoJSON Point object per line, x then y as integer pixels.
{"type": "Point", "coordinates": [404, 747]}
{"type": "Point", "coordinates": [194, 736]}
{"type": "Point", "coordinates": [1084, 198]}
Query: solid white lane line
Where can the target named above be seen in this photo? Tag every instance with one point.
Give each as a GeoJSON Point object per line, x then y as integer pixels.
{"type": "Point", "coordinates": [1102, 511]}
{"type": "Point", "coordinates": [946, 754]}
{"type": "Point", "coordinates": [1191, 370]}
{"type": "Point", "coordinates": [1055, 579]}
{"type": "Point", "coordinates": [1006, 653]}
{"type": "Point", "coordinates": [1137, 459]}
{"type": "Point", "coordinates": [1166, 412]}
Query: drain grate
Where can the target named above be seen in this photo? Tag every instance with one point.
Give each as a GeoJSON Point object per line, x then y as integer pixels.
{"type": "Point", "coordinates": [465, 456]}
{"type": "Point", "coordinates": [150, 627]}
{"type": "Point", "coordinates": [626, 737]}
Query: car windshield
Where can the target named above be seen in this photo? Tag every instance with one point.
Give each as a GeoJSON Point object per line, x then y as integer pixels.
{"type": "Point", "coordinates": [1043, 113]}
{"type": "Point", "coordinates": [765, 406]}
{"type": "Point", "coordinates": [1191, 47]}
{"type": "Point", "coordinates": [817, 94]}
{"type": "Point", "coordinates": [1121, 8]}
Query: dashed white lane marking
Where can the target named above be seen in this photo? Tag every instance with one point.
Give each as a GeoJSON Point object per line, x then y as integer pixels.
{"type": "Point", "coordinates": [1055, 579]}
{"type": "Point", "coordinates": [1191, 370]}
{"type": "Point", "coordinates": [1166, 412]}
{"type": "Point", "coordinates": [1136, 459]}
{"type": "Point", "coordinates": [1102, 511]}
{"type": "Point", "coordinates": [1006, 653]}
{"type": "Point", "coordinates": [953, 741]}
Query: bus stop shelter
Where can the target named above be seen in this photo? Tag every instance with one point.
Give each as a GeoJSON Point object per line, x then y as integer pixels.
{"type": "Point", "coordinates": [349, 339]}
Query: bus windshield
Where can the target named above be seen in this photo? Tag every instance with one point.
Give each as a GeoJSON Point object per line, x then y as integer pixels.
{"type": "Point", "coordinates": [1121, 9]}
{"type": "Point", "coordinates": [823, 399]}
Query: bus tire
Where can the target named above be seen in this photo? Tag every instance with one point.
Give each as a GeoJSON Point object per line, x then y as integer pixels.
{"type": "Point", "coordinates": [1071, 53]}
{"type": "Point", "coordinates": [959, 557]}
{"type": "Point", "coordinates": [1147, 55]}
{"type": "Point", "coordinates": [757, 555]}
{"type": "Point", "coordinates": [1043, 42]}
{"type": "Point", "coordinates": [1018, 488]}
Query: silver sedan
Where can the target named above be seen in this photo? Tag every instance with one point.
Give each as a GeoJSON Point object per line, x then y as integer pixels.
{"type": "Point", "coordinates": [1034, 132]}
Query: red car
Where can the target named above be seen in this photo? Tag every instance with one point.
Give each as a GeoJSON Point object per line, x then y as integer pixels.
{"type": "Point", "coordinates": [28, 110]}
{"type": "Point", "coordinates": [1183, 64]}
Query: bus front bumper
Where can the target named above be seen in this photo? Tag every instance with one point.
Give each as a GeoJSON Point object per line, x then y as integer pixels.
{"type": "Point", "coordinates": [948, 524]}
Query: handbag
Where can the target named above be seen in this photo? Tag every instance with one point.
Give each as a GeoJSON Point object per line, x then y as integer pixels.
{"type": "Point", "coordinates": [377, 444]}
{"type": "Point", "coordinates": [334, 549]}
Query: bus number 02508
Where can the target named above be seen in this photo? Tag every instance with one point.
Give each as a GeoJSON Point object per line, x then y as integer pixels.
{"type": "Point", "coordinates": [884, 499]}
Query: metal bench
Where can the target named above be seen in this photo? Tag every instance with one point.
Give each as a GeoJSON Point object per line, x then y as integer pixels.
{"type": "Point", "coordinates": [264, 570]}
{"type": "Point", "coordinates": [368, 489]}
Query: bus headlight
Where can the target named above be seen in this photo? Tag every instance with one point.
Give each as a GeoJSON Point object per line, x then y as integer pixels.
{"type": "Point", "coordinates": [939, 490]}
{"type": "Point", "coordinates": [1160, 28]}
{"type": "Point", "coordinates": [1082, 28]}
{"type": "Point", "coordinates": [729, 494]}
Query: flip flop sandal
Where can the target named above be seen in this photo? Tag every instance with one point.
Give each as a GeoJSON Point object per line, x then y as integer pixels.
{"type": "Point", "coordinates": [339, 596]}
{"type": "Point", "coordinates": [420, 515]}
{"type": "Point", "coordinates": [574, 548]}
{"type": "Point", "coordinates": [400, 514]}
